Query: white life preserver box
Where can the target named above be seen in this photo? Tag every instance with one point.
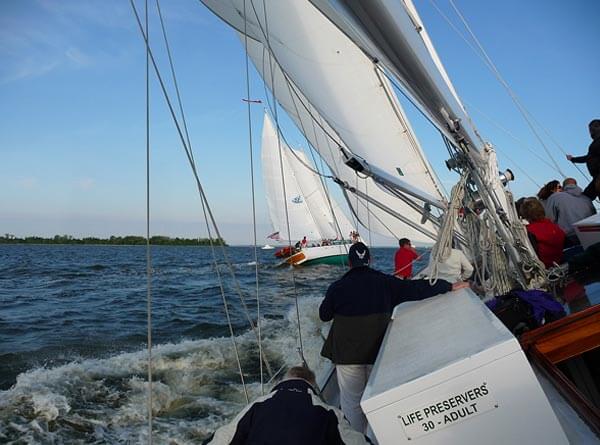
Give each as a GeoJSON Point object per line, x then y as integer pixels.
{"type": "Point", "coordinates": [449, 372]}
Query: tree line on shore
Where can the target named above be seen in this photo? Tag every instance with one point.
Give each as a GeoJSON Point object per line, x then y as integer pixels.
{"type": "Point", "coordinates": [130, 240]}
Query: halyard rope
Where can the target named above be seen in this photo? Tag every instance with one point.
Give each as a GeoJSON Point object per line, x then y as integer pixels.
{"type": "Point", "coordinates": [258, 322]}
{"type": "Point", "coordinates": [148, 251]}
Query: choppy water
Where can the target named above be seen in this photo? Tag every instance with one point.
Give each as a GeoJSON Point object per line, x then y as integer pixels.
{"type": "Point", "coordinates": [73, 357]}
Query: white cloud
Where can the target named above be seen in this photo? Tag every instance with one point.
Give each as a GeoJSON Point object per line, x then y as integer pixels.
{"type": "Point", "coordinates": [86, 183]}
{"type": "Point", "coordinates": [28, 183]}
{"type": "Point", "coordinates": [78, 57]}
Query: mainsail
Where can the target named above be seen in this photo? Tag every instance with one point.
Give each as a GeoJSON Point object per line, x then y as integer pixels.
{"type": "Point", "coordinates": [303, 203]}
{"type": "Point", "coordinates": [342, 103]}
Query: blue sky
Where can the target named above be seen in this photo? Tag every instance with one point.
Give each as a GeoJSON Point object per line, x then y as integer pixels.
{"type": "Point", "coordinates": [72, 109]}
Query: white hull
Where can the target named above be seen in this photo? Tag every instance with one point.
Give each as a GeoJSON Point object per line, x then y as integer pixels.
{"type": "Point", "coordinates": [405, 382]}
{"type": "Point", "coordinates": [321, 254]}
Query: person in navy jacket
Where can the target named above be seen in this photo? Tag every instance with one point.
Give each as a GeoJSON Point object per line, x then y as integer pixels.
{"type": "Point", "coordinates": [360, 305]}
{"type": "Point", "coordinates": [292, 414]}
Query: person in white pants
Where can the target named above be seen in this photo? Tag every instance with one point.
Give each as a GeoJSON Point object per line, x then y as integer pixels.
{"type": "Point", "coordinates": [352, 380]}
{"type": "Point", "coordinates": [360, 305]}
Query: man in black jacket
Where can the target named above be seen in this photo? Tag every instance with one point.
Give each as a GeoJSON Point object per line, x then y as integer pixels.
{"type": "Point", "coordinates": [360, 305]}
{"type": "Point", "coordinates": [592, 160]}
{"type": "Point", "coordinates": [291, 414]}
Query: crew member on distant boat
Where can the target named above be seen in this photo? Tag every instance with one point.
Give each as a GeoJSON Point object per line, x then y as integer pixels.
{"type": "Point", "coordinates": [360, 305]}
{"type": "Point", "coordinates": [547, 238]}
{"type": "Point", "coordinates": [403, 259]}
{"type": "Point", "coordinates": [592, 160]}
{"type": "Point", "coordinates": [292, 413]}
{"type": "Point", "coordinates": [303, 243]}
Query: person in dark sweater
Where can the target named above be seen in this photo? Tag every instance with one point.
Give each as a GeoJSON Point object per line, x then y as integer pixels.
{"type": "Point", "coordinates": [360, 305]}
{"type": "Point", "coordinates": [292, 414]}
{"type": "Point", "coordinates": [592, 161]}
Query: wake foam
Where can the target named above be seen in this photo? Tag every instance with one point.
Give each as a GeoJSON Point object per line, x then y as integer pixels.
{"type": "Point", "coordinates": [196, 387]}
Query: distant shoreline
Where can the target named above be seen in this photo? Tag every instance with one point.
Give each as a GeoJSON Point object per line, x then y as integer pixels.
{"type": "Point", "coordinates": [130, 240]}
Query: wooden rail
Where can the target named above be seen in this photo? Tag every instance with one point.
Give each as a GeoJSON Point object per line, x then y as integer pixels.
{"type": "Point", "coordinates": [561, 340]}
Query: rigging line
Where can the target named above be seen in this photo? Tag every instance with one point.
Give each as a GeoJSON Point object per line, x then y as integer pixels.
{"type": "Point", "coordinates": [192, 164]}
{"type": "Point", "coordinates": [191, 154]}
{"type": "Point", "coordinates": [290, 85]}
{"type": "Point", "coordinates": [491, 67]}
{"type": "Point", "coordinates": [359, 201]}
{"type": "Point", "coordinates": [258, 322]}
{"type": "Point", "coordinates": [270, 107]}
{"type": "Point", "coordinates": [524, 112]}
{"type": "Point", "coordinates": [413, 102]}
{"type": "Point", "coordinates": [287, 217]}
{"type": "Point", "coordinates": [184, 121]}
{"type": "Point", "coordinates": [179, 101]}
{"type": "Point", "coordinates": [521, 143]}
{"type": "Point", "coordinates": [368, 214]}
{"type": "Point", "coordinates": [148, 251]}
{"type": "Point", "coordinates": [320, 175]}
{"type": "Point", "coordinates": [285, 75]}
{"type": "Point", "coordinates": [328, 138]}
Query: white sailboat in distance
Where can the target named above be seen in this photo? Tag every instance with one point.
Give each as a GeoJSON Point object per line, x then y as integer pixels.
{"type": "Point", "coordinates": [311, 225]}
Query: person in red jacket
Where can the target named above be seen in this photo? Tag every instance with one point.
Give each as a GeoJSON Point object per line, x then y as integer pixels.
{"type": "Point", "coordinates": [404, 258]}
{"type": "Point", "coordinates": [547, 238]}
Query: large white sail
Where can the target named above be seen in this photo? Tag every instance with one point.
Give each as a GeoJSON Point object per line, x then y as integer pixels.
{"type": "Point", "coordinates": [289, 205]}
{"type": "Point", "coordinates": [309, 212]}
{"type": "Point", "coordinates": [354, 107]}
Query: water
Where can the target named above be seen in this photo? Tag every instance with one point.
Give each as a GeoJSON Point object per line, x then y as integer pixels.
{"type": "Point", "coordinates": [73, 358]}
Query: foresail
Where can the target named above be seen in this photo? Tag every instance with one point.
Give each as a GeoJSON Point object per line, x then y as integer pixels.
{"type": "Point", "coordinates": [351, 104]}
{"type": "Point", "coordinates": [291, 205]}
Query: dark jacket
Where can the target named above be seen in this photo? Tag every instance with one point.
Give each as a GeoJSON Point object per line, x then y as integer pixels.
{"type": "Point", "coordinates": [592, 158]}
{"type": "Point", "coordinates": [291, 414]}
{"type": "Point", "coordinates": [360, 305]}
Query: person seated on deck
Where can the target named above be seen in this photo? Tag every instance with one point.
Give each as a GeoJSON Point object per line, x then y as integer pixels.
{"type": "Point", "coordinates": [360, 305]}
{"type": "Point", "coordinates": [292, 413]}
{"type": "Point", "coordinates": [456, 267]}
{"type": "Point", "coordinates": [547, 238]}
{"type": "Point", "coordinates": [567, 207]}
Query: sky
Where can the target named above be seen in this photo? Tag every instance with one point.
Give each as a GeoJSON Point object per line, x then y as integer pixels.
{"type": "Point", "coordinates": [72, 110]}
